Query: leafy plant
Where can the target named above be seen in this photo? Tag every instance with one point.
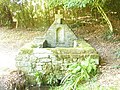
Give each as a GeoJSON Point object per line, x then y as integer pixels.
{"type": "Point", "coordinates": [48, 76]}
{"type": "Point", "coordinates": [52, 79]}
{"type": "Point", "coordinates": [79, 73]}
{"type": "Point", "coordinates": [53, 75]}
{"type": "Point", "coordinates": [39, 76]}
{"type": "Point", "coordinates": [98, 4]}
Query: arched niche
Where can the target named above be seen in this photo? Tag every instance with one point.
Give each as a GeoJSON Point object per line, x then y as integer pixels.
{"type": "Point", "coordinates": [60, 35]}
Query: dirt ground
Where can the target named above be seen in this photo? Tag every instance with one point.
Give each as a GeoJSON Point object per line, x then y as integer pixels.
{"type": "Point", "coordinates": [10, 42]}
{"type": "Point", "coordinates": [12, 39]}
{"type": "Point", "coordinates": [109, 63]}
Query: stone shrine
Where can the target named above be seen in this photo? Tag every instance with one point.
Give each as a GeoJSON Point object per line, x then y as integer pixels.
{"type": "Point", "coordinates": [43, 55]}
{"type": "Point", "coordinates": [59, 34]}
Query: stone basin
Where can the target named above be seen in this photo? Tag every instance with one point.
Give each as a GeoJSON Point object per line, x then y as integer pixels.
{"type": "Point", "coordinates": [32, 59]}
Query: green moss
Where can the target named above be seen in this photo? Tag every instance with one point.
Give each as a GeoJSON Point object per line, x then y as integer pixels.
{"type": "Point", "coordinates": [26, 51]}
{"type": "Point", "coordinates": [66, 51]}
{"type": "Point", "coordinates": [34, 46]}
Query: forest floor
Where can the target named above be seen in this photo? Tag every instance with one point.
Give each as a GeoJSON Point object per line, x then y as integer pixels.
{"type": "Point", "coordinates": [11, 40]}
{"type": "Point", "coordinates": [109, 50]}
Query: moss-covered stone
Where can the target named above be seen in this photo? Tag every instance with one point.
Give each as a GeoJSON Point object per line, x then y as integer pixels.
{"type": "Point", "coordinates": [53, 60]}
{"type": "Point", "coordinates": [26, 51]}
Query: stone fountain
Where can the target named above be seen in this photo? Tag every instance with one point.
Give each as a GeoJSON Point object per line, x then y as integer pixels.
{"type": "Point", "coordinates": [58, 49]}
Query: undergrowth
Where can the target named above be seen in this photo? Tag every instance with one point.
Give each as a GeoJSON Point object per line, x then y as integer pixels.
{"type": "Point", "coordinates": [108, 35]}
{"type": "Point", "coordinates": [78, 74]}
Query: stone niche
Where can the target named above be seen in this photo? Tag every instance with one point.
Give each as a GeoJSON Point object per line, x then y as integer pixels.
{"type": "Point", "coordinates": [54, 52]}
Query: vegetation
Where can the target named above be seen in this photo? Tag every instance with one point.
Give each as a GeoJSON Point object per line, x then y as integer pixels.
{"type": "Point", "coordinates": [39, 76]}
{"type": "Point", "coordinates": [79, 73]}
{"type": "Point", "coordinates": [77, 13]}
{"type": "Point", "coordinates": [76, 75]}
{"type": "Point", "coordinates": [83, 3]}
{"type": "Point", "coordinates": [39, 13]}
{"type": "Point", "coordinates": [27, 51]}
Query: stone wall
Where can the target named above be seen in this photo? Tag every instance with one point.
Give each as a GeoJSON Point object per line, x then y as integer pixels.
{"type": "Point", "coordinates": [46, 60]}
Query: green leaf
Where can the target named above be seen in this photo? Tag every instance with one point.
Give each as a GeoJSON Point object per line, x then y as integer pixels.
{"type": "Point", "coordinates": [94, 67]}
{"type": "Point", "coordinates": [89, 69]}
{"type": "Point", "coordinates": [78, 68]}
{"type": "Point", "coordinates": [84, 63]}
{"type": "Point", "coordinates": [71, 67]}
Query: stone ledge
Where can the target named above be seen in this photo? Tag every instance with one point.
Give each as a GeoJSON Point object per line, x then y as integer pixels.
{"type": "Point", "coordinates": [41, 56]}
